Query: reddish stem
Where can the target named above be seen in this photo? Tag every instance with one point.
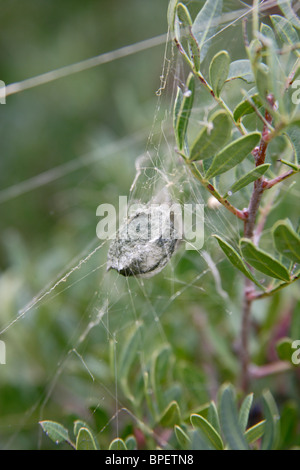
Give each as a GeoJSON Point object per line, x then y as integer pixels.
{"type": "Point", "coordinates": [249, 225]}
{"type": "Point", "coordinates": [269, 184]}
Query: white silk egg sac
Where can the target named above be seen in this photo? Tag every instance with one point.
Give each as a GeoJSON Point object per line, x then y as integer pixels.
{"type": "Point", "coordinates": [145, 243]}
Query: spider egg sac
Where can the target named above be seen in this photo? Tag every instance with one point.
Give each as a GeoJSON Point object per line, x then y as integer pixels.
{"type": "Point", "coordinates": [144, 244]}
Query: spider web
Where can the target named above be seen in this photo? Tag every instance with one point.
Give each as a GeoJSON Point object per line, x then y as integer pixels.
{"type": "Point", "coordinates": [83, 373]}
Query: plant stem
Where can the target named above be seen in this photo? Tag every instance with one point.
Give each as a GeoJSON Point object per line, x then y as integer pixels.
{"type": "Point", "coordinates": [249, 226]}
{"type": "Point", "coordinates": [221, 102]}
{"type": "Point", "coordinates": [269, 184]}
{"type": "Point", "coordinates": [264, 212]}
{"type": "Point", "coordinates": [218, 99]}
{"type": "Point", "coordinates": [278, 367]}
{"type": "Point", "coordinates": [245, 356]}
{"type": "Point", "coordinates": [237, 212]}
{"type": "Point", "coordinates": [261, 295]}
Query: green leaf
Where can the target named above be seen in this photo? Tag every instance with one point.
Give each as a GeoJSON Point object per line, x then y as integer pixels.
{"type": "Point", "coordinates": [262, 261]}
{"type": "Point", "coordinates": [194, 51]}
{"type": "Point", "coordinates": [291, 165]}
{"type": "Point", "coordinates": [218, 71]}
{"type": "Point", "coordinates": [171, 14]}
{"type": "Point", "coordinates": [181, 436]}
{"type": "Point", "coordinates": [85, 440]}
{"type": "Point", "coordinates": [117, 444]}
{"type": "Point", "coordinates": [131, 443]}
{"type": "Point", "coordinates": [245, 410]}
{"type": "Point", "coordinates": [293, 133]}
{"type": "Point", "coordinates": [160, 366]}
{"type": "Point", "coordinates": [249, 177]}
{"type": "Point", "coordinates": [236, 259]}
{"type": "Point", "coordinates": [78, 425]}
{"type": "Point", "coordinates": [183, 110]}
{"type": "Point", "coordinates": [276, 78]}
{"type": "Point", "coordinates": [268, 32]}
{"type": "Point", "coordinates": [194, 380]}
{"type": "Point", "coordinates": [171, 415]}
{"type": "Point", "coordinates": [272, 426]}
{"type": "Point", "coordinates": [273, 77]}
{"type": "Point", "coordinates": [244, 107]}
{"type": "Point", "coordinates": [284, 349]}
{"type": "Point", "coordinates": [184, 15]}
{"type": "Point", "coordinates": [212, 137]}
{"type": "Point", "coordinates": [213, 417]}
{"type": "Point", "coordinates": [222, 349]}
{"type": "Point", "coordinates": [286, 240]}
{"type": "Point", "coordinates": [252, 50]}
{"type": "Point", "coordinates": [206, 24]}
{"type": "Point", "coordinates": [208, 430]}
{"type": "Point", "coordinates": [186, 23]}
{"type": "Point", "coordinates": [128, 353]}
{"type": "Point", "coordinates": [199, 441]}
{"type": "Point", "coordinates": [285, 30]}
{"type": "Point", "coordinates": [177, 106]}
{"type": "Point", "coordinates": [255, 432]}
{"type": "Point", "coordinates": [241, 69]}
{"type": "Point", "coordinates": [233, 154]}
{"type": "Point", "coordinates": [127, 357]}
{"type": "Point", "coordinates": [286, 8]}
{"type": "Point", "coordinates": [55, 431]}
{"type": "Point", "coordinates": [262, 82]}
{"type": "Point", "coordinates": [230, 420]}
{"type": "Point", "coordinates": [288, 424]}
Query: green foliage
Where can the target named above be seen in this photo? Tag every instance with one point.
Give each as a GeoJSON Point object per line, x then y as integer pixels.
{"type": "Point", "coordinates": [183, 107]}
{"type": "Point", "coordinates": [286, 240]}
{"type": "Point", "coordinates": [151, 371]}
{"type": "Point", "coordinates": [230, 422]}
{"type": "Point", "coordinates": [285, 30]}
{"type": "Point", "coordinates": [255, 432]}
{"type": "Point", "coordinates": [241, 69]}
{"type": "Point", "coordinates": [292, 132]}
{"type": "Point", "coordinates": [218, 71]}
{"type": "Point", "coordinates": [85, 440]}
{"type": "Point", "coordinates": [262, 261]}
{"type": "Point", "coordinates": [211, 138]}
{"type": "Point", "coordinates": [262, 68]}
{"type": "Point", "coordinates": [205, 24]}
{"type": "Point", "coordinates": [208, 430]}
{"type": "Point", "coordinates": [286, 8]}
{"type": "Point", "coordinates": [117, 444]}
{"type": "Point", "coordinates": [250, 177]}
{"type": "Point", "coordinates": [272, 426]}
{"type": "Point", "coordinates": [284, 349]}
{"type": "Point", "coordinates": [244, 411]}
{"type": "Point", "coordinates": [171, 415]}
{"type": "Point", "coordinates": [235, 258]}
{"type": "Point", "coordinates": [267, 115]}
{"type": "Point", "coordinates": [219, 426]}
{"type": "Point", "coordinates": [247, 106]}
{"type": "Point", "coordinates": [55, 431]}
{"type": "Point", "coordinates": [233, 154]}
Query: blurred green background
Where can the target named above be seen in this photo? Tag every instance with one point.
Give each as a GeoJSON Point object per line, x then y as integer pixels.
{"type": "Point", "coordinates": [67, 147]}
{"type": "Point", "coordinates": [81, 118]}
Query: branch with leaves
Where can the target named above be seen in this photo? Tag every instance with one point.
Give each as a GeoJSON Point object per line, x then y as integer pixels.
{"type": "Point", "coordinates": [216, 151]}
